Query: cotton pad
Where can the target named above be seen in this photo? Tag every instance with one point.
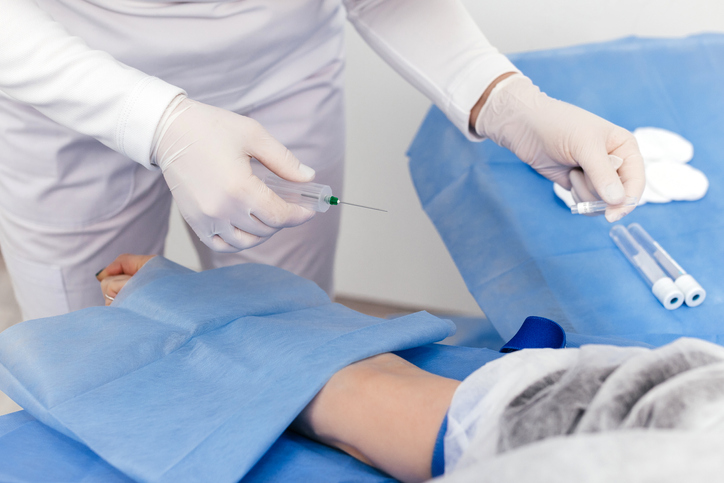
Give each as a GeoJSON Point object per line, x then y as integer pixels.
{"type": "Point", "coordinates": [658, 144]}
{"type": "Point", "coordinates": [677, 181]}
{"type": "Point", "coordinates": [651, 196]}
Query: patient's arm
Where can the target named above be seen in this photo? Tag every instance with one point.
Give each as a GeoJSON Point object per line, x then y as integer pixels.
{"type": "Point", "coordinates": [383, 411]}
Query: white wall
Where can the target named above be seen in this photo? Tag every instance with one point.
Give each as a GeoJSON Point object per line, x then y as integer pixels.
{"type": "Point", "coordinates": [398, 257]}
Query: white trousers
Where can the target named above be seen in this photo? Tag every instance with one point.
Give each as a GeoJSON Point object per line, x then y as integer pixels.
{"type": "Point", "coordinates": [73, 205]}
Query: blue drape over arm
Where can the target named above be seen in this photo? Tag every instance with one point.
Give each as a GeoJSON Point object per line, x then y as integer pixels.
{"type": "Point", "coordinates": [193, 376]}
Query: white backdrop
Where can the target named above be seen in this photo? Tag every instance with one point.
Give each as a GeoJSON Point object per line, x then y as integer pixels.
{"type": "Point", "coordinates": [398, 257]}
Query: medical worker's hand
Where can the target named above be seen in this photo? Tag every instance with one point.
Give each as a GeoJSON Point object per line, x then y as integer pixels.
{"type": "Point", "coordinates": [120, 271]}
{"type": "Point", "coordinates": [205, 154]}
{"type": "Point", "coordinates": [555, 137]}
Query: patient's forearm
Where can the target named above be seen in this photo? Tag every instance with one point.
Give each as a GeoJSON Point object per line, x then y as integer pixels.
{"type": "Point", "coordinates": [383, 411]}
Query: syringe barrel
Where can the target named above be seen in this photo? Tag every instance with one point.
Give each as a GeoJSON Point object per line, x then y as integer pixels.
{"type": "Point", "coordinates": [669, 265]}
{"type": "Point", "coordinates": [635, 254]}
{"type": "Point", "coordinates": [314, 196]}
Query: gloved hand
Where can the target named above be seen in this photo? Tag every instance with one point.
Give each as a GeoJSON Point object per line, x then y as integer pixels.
{"type": "Point", "coordinates": [581, 187]}
{"type": "Point", "coordinates": [205, 155]}
{"type": "Point", "coordinates": [555, 137]}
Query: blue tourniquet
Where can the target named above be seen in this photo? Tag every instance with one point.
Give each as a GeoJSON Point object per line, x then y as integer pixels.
{"type": "Point", "coordinates": [536, 333]}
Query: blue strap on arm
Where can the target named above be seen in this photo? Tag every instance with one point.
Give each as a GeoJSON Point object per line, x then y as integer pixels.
{"type": "Point", "coordinates": [537, 333]}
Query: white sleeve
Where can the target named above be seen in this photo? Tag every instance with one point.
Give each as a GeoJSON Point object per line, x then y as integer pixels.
{"type": "Point", "coordinates": [436, 46]}
{"type": "Point", "coordinates": [87, 90]}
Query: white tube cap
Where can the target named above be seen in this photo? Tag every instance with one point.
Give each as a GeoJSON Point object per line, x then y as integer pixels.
{"type": "Point", "coordinates": [693, 292]}
{"type": "Point", "coordinates": [668, 293]}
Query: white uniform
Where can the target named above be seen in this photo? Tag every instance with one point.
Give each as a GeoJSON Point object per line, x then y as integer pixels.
{"type": "Point", "coordinates": [70, 204]}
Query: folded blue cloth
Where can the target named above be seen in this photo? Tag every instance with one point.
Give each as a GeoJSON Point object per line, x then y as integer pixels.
{"type": "Point", "coordinates": [187, 376]}
{"type": "Point", "coordinates": [521, 252]}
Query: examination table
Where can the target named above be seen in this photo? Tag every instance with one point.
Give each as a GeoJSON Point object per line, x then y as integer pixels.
{"type": "Point", "coordinates": [521, 251]}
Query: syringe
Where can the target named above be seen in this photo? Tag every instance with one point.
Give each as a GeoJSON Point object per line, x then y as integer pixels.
{"type": "Point", "coordinates": [596, 207]}
{"type": "Point", "coordinates": [315, 196]}
{"type": "Point", "coordinates": [693, 292]}
{"type": "Point", "coordinates": [662, 286]}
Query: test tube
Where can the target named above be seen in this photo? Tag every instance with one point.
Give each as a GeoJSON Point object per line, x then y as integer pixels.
{"type": "Point", "coordinates": [315, 196]}
{"type": "Point", "coordinates": [663, 287]}
{"type": "Point", "coordinates": [693, 292]}
{"type": "Point", "coordinates": [596, 207]}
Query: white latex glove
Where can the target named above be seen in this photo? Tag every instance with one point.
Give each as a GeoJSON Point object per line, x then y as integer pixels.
{"type": "Point", "coordinates": [554, 137]}
{"type": "Point", "coordinates": [581, 187]}
{"type": "Point", "coordinates": [205, 154]}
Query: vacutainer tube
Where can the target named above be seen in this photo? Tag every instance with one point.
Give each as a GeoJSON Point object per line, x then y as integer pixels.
{"type": "Point", "coordinates": [315, 196]}
{"type": "Point", "coordinates": [693, 292]}
{"type": "Point", "coordinates": [597, 207]}
{"type": "Point", "coordinates": [663, 287]}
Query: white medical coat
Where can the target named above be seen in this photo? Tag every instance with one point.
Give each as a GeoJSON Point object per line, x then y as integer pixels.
{"type": "Point", "coordinates": [70, 69]}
